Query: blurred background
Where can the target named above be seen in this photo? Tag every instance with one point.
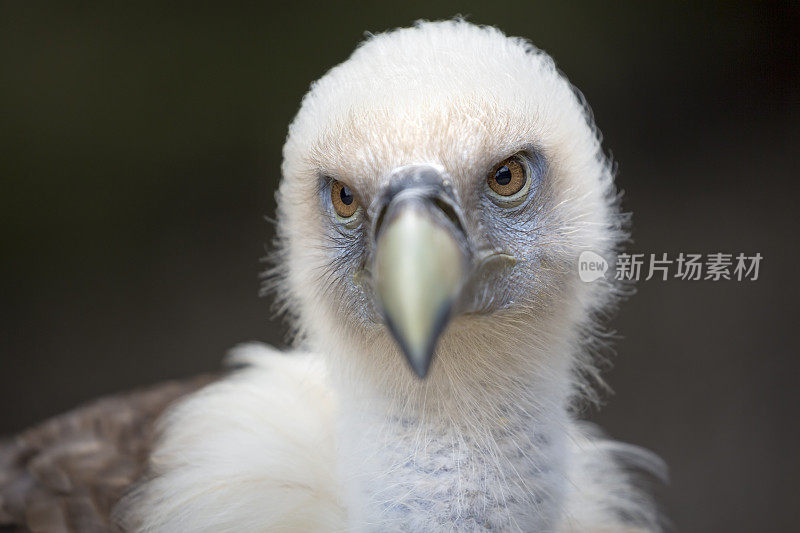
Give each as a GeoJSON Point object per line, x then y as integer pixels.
{"type": "Point", "coordinates": [141, 147]}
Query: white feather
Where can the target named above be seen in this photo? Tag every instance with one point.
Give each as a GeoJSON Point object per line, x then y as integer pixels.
{"type": "Point", "coordinates": [253, 452]}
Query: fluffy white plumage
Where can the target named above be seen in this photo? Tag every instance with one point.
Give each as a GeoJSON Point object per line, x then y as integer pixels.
{"type": "Point", "coordinates": [342, 436]}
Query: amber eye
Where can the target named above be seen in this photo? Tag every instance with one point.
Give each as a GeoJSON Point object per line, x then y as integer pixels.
{"type": "Point", "coordinates": [509, 181]}
{"type": "Point", "coordinates": [509, 177]}
{"type": "Point", "coordinates": [343, 200]}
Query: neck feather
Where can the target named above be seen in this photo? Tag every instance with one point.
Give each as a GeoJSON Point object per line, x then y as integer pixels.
{"type": "Point", "coordinates": [431, 457]}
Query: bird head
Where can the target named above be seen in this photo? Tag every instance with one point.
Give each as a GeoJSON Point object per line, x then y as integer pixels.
{"type": "Point", "coordinates": [438, 187]}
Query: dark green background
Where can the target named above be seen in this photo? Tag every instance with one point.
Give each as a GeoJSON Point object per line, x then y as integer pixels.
{"type": "Point", "coordinates": [139, 148]}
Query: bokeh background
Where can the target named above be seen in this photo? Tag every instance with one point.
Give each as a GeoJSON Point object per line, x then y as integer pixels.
{"type": "Point", "coordinates": [140, 147]}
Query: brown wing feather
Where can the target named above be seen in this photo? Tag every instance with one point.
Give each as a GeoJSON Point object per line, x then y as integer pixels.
{"type": "Point", "coordinates": [67, 473]}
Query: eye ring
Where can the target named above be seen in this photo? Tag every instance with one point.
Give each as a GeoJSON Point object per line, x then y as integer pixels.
{"type": "Point", "coordinates": [345, 204]}
{"type": "Point", "coordinates": [509, 182]}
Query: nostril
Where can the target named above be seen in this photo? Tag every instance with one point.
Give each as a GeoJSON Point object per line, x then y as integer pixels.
{"type": "Point", "coordinates": [379, 220]}
{"type": "Point", "coordinates": [449, 212]}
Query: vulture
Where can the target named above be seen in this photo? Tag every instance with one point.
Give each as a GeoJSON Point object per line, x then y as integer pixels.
{"type": "Point", "coordinates": [438, 188]}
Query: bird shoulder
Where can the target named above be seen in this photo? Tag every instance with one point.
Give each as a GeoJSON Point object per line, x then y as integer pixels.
{"type": "Point", "coordinates": [254, 451]}
{"type": "Point", "coordinates": [67, 473]}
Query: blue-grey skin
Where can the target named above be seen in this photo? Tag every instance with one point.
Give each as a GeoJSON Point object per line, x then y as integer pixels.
{"type": "Point", "coordinates": [504, 242]}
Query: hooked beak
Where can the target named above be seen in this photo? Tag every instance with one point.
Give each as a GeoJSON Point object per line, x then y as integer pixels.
{"type": "Point", "coordinates": [421, 260]}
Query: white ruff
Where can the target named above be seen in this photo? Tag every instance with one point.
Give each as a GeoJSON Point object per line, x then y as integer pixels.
{"type": "Point", "coordinates": [260, 451]}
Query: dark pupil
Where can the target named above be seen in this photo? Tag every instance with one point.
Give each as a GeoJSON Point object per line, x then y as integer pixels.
{"type": "Point", "coordinates": [346, 196]}
{"type": "Point", "coordinates": [502, 176]}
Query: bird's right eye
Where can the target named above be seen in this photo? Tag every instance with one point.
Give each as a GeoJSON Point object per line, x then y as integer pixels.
{"type": "Point", "coordinates": [345, 204]}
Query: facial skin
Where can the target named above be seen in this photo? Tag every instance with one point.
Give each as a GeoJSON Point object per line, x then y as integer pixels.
{"type": "Point", "coordinates": [501, 231]}
{"type": "Point", "coordinates": [493, 244]}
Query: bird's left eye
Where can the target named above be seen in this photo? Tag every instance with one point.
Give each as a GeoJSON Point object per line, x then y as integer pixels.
{"type": "Point", "coordinates": [509, 181]}
{"type": "Point", "coordinates": [345, 204]}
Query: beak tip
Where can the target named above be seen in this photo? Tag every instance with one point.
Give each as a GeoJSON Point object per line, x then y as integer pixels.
{"type": "Point", "coordinates": [419, 351]}
{"type": "Point", "coordinates": [420, 362]}
{"type": "Point", "coordinates": [418, 357]}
